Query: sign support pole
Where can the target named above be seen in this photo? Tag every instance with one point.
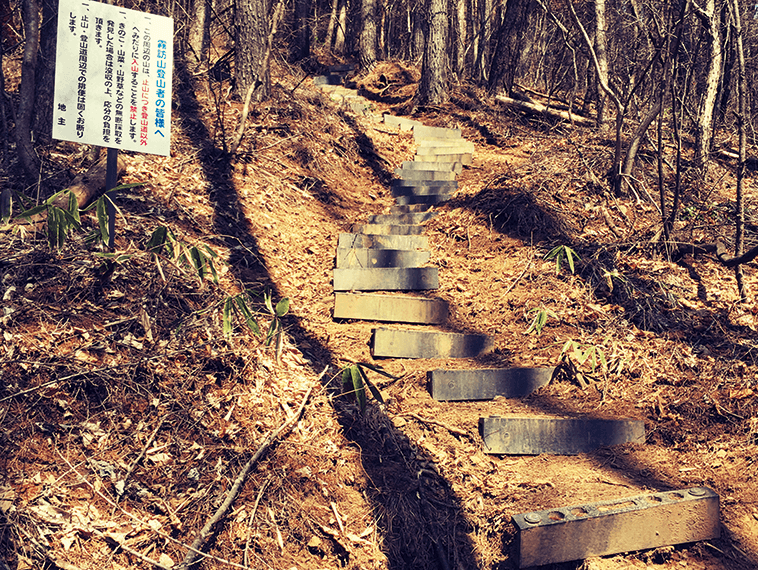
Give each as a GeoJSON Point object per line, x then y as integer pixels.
{"type": "Point", "coordinates": [111, 177]}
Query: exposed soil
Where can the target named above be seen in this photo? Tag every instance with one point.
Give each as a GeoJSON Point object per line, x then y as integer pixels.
{"type": "Point", "coordinates": [127, 414]}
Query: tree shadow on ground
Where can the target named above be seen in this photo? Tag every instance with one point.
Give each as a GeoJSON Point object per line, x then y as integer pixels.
{"type": "Point", "coordinates": [421, 518]}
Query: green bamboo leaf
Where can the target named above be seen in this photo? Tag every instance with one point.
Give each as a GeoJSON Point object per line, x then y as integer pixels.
{"type": "Point", "coordinates": [198, 261]}
{"type": "Point", "coordinates": [247, 314]}
{"type": "Point", "coordinates": [273, 329]}
{"type": "Point", "coordinates": [347, 380]}
{"type": "Point", "coordinates": [73, 209]}
{"type": "Point", "coordinates": [570, 258]}
{"type": "Point", "coordinates": [378, 370]}
{"type": "Point", "coordinates": [214, 275]}
{"type": "Point", "coordinates": [358, 386]}
{"type": "Point", "coordinates": [282, 307]}
{"type": "Point", "coordinates": [126, 186]}
{"type": "Point", "coordinates": [267, 301]}
{"type": "Point", "coordinates": [374, 390]}
{"type": "Point", "coordinates": [52, 228]}
{"type": "Point", "coordinates": [102, 218]}
{"type": "Point", "coordinates": [157, 240]}
{"type": "Point", "coordinates": [227, 317]}
{"type": "Point", "coordinates": [33, 211]}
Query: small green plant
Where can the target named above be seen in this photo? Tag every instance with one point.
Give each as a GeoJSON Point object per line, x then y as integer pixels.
{"type": "Point", "coordinates": [611, 276]}
{"type": "Point", "coordinates": [275, 328]}
{"type": "Point", "coordinates": [561, 252]}
{"type": "Point", "coordinates": [198, 259]}
{"type": "Point", "coordinates": [60, 221]}
{"type": "Point", "coordinates": [590, 363]}
{"type": "Point", "coordinates": [240, 304]}
{"type": "Point", "coordinates": [355, 381]}
{"type": "Point", "coordinates": [540, 317]}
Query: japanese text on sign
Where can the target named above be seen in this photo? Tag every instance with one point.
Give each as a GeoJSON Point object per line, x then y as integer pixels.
{"type": "Point", "coordinates": [120, 95]}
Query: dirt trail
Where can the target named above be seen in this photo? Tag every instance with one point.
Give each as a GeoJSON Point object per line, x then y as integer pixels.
{"type": "Point", "coordinates": [405, 485]}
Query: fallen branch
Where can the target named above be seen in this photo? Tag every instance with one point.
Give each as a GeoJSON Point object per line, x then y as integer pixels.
{"type": "Point", "coordinates": [208, 529]}
{"type": "Point", "coordinates": [540, 109]}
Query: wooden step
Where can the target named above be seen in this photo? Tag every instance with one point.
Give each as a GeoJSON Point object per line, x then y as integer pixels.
{"type": "Point", "coordinates": [401, 218]}
{"type": "Point", "coordinates": [486, 384]}
{"type": "Point", "coordinates": [390, 308]}
{"type": "Point", "coordinates": [426, 199]}
{"type": "Point", "coordinates": [560, 436]}
{"type": "Point", "coordinates": [398, 343]}
{"type": "Point", "coordinates": [463, 158]}
{"type": "Point", "coordinates": [330, 79]}
{"type": "Point", "coordinates": [446, 185]}
{"type": "Point", "coordinates": [363, 258]}
{"type": "Point", "coordinates": [382, 242]}
{"type": "Point", "coordinates": [411, 208]}
{"type": "Point", "coordinates": [400, 122]}
{"type": "Point", "coordinates": [424, 132]}
{"type": "Point", "coordinates": [421, 189]}
{"type": "Point", "coordinates": [424, 174]}
{"type": "Point", "coordinates": [444, 147]}
{"type": "Point", "coordinates": [388, 229]}
{"type": "Point", "coordinates": [386, 279]}
{"type": "Point", "coordinates": [619, 525]}
{"type": "Point", "coordinates": [431, 165]}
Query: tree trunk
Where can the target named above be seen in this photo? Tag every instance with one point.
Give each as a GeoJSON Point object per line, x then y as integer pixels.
{"type": "Point", "coordinates": [462, 40]}
{"type": "Point", "coordinates": [25, 113]}
{"type": "Point", "coordinates": [510, 46]}
{"type": "Point", "coordinates": [251, 65]}
{"type": "Point", "coordinates": [301, 47]}
{"type": "Point", "coordinates": [742, 118]}
{"type": "Point", "coordinates": [704, 127]}
{"type": "Point", "coordinates": [198, 36]}
{"type": "Point", "coordinates": [339, 40]}
{"type": "Point", "coordinates": [367, 39]}
{"type": "Point", "coordinates": [45, 74]}
{"type": "Point", "coordinates": [332, 24]}
{"type": "Point", "coordinates": [433, 87]}
{"type": "Point", "coordinates": [419, 33]}
{"type": "Point", "coordinates": [601, 42]}
{"type": "Point", "coordinates": [485, 37]}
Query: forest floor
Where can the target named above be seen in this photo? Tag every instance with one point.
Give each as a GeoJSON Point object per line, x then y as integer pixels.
{"type": "Point", "coordinates": [127, 411]}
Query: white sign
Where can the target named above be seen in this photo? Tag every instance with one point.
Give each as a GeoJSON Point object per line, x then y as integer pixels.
{"type": "Point", "coordinates": [113, 77]}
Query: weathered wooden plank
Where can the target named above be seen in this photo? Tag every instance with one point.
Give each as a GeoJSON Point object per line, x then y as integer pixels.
{"type": "Point", "coordinates": [358, 258]}
{"type": "Point", "coordinates": [390, 308]}
{"type": "Point", "coordinates": [400, 122]}
{"type": "Point", "coordinates": [431, 165]}
{"type": "Point", "coordinates": [486, 384]}
{"type": "Point", "coordinates": [386, 279]}
{"type": "Point", "coordinates": [330, 79]}
{"type": "Point", "coordinates": [445, 147]}
{"type": "Point", "coordinates": [382, 242]}
{"type": "Point", "coordinates": [561, 436]}
{"type": "Point", "coordinates": [424, 174]}
{"type": "Point", "coordinates": [426, 199]}
{"type": "Point", "coordinates": [388, 229]}
{"type": "Point", "coordinates": [422, 131]}
{"type": "Point", "coordinates": [410, 208]}
{"type": "Point", "coordinates": [464, 158]}
{"type": "Point", "coordinates": [446, 185]}
{"type": "Point", "coordinates": [419, 218]}
{"type": "Point", "coordinates": [620, 525]}
{"type": "Point", "coordinates": [394, 343]}
{"type": "Point", "coordinates": [421, 189]}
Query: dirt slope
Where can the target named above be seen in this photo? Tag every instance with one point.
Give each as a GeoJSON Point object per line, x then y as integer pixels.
{"type": "Point", "coordinates": [101, 363]}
